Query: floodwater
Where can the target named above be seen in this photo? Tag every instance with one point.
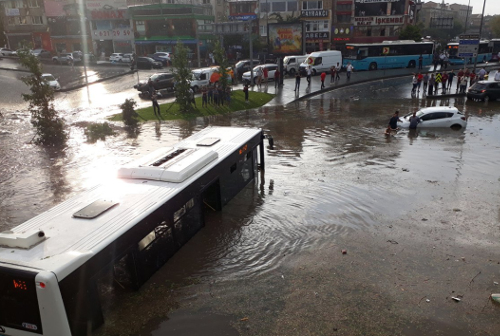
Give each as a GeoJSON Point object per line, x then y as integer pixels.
{"type": "Point", "coordinates": [332, 181]}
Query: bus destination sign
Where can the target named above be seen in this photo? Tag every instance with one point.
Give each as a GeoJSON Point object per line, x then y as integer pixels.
{"type": "Point", "coordinates": [468, 45]}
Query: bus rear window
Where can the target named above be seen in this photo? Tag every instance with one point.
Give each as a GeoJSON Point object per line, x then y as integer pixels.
{"type": "Point", "coordinates": [19, 302]}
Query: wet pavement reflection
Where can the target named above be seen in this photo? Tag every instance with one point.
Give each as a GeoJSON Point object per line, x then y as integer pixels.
{"type": "Point", "coordinates": [330, 173]}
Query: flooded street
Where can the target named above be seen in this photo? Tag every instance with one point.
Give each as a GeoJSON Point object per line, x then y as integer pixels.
{"type": "Point", "coordinates": [418, 217]}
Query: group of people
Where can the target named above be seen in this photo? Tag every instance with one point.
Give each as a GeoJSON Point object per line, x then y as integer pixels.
{"type": "Point", "coordinates": [393, 123]}
{"type": "Point", "coordinates": [334, 75]}
{"type": "Point", "coordinates": [444, 80]}
{"type": "Point", "coordinates": [214, 94]}
{"type": "Point", "coordinates": [441, 59]}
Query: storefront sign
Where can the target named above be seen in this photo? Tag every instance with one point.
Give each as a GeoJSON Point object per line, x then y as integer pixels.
{"type": "Point", "coordinates": [12, 12]}
{"type": "Point", "coordinates": [341, 39]}
{"type": "Point", "coordinates": [105, 4]}
{"type": "Point", "coordinates": [113, 34]}
{"type": "Point", "coordinates": [242, 17]}
{"type": "Point", "coordinates": [314, 13]}
{"type": "Point", "coordinates": [375, 1]}
{"type": "Point", "coordinates": [379, 20]}
{"type": "Point", "coordinates": [118, 14]}
{"type": "Point", "coordinates": [317, 36]}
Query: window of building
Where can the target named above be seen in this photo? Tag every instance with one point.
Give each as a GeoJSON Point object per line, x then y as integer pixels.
{"type": "Point", "coordinates": [206, 2]}
{"type": "Point", "coordinates": [344, 8]}
{"type": "Point", "coordinates": [21, 4]}
{"type": "Point", "coordinates": [279, 6]}
{"type": "Point", "coordinates": [343, 18]}
{"type": "Point", "coordinates": [316, 26]}
{"type": "Point", "coordinates": [34, 3]}
{"type": "Point", "coordinates": [243, 8]}
{"type": "Point", "coordinates": [265, 7]}
{"type": "Point", "coordinates": [312, 5]}
{"type": "Point", "coordinates": [292, 6]}
{"type": "Point", "coordinates": [37, 20]}
{"type": "Point", "coordinates": [263, 30]}
{"type": "Point", "coordinates": [22, 20]}
{"type": "Point", "coordinates": [10, 4]}
{"type": "Point", "coordinates": [11, 21]}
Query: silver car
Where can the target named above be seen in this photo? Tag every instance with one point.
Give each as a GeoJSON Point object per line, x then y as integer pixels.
{"type": "Point", "coordinates": [440, 116]}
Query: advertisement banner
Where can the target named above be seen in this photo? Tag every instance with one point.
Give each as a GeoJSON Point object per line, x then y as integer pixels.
{"type": "Point", "coordinates": [12, 12]}
{"type": "Point", "coordinates": [285, 38]}
{"type": "Point", "coordinates": [113, 34]}
{"type": "Point", "coordinates": [60, 8]}
{"type": "Point", "coordinates": [117, 14]}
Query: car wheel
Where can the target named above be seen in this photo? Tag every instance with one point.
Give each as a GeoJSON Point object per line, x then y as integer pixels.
{"type": "Point", "coordinates": [373, 66]}
{"type": "Point", "coordinates": [456, 127]}
{"type": "Point", "coordinates": [292, 72]}
{"type": "Point", "coordinates": [412, 64]}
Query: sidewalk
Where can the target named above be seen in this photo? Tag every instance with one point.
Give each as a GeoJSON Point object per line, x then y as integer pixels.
{"type": "Point", "coordinates": [286, 94]}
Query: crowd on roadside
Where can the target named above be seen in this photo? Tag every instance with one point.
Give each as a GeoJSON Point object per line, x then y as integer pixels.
{"type": "Point", "coordinates": [442, 80]}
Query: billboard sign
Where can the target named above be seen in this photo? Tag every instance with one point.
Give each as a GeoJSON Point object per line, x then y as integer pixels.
{"type": "Point", "coordinates": [106, 4]}
{"type": "Point", "coordinates": [468, 45]}
{"type": "Point", "coordinates": [286, 38]}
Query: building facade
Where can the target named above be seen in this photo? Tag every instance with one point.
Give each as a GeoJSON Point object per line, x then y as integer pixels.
{"type": "Point", "coordinates": [342, 25]}
{"type": "Point", "coordinates": [381, 20]}
{"type": "Point", "coordinates": [25, 22]}
{"type": "Point", "coordinates": [317, 23]}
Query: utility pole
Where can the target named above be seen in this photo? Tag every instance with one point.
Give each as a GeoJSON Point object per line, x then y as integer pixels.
{"type": "Point", "coordinates": [467, 18]}
{"type": "Point", "coordinates": [480, 31]}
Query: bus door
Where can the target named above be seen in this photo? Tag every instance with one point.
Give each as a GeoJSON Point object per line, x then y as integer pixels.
{"type": "Point", "coordinates": [361, 56]}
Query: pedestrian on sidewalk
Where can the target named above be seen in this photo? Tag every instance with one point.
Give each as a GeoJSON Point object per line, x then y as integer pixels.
{"type": "Point", "coordinates": [414, 82]}
{"type": "Point", "coordinates": [481, 74]}
{"type": "Point", "coordinates": [463, 84]}
{"type": "Point", "coordinates": [265, 72]}
{"type": "Point", "coordinates": [337, 71]}
{"type": "Point", "coordinates": [472, 78]}
{"type": "Point", "coordinates": [451, 75]}
{"type": "Point", "coordinates": [333, 71]}
{"type": "Point", "coordinates": [349, 69]}
{"type": "Point", "coordinates": [193, 100]}
{"type": "Point", "coordinates": [420, 78]}
{"type": "Point", "coordinates": [277, 79]}
{"type": "Point", "coordinates": [297, 81]}
{"type": "Point", "coordinates": [204, 98]}
{"type": "Point", "coordinates": [459, 78]}
{"type": "Point", "coordinates": [309, 75]}
{"type": "Point", "coordinates": [420, 62]}
{"type": "Point", "coordinates": [154, 100]}
{"type": "Point", "coordinates": [444, 82]}
{"type": "Point", "coordinates": [432, 82]}
{"type": "Point", "coordinates": [426, 82]}
{"type": "Point", "coordinates": [323, 76]}
{"type": "Point", "coordinates": [245, 90]}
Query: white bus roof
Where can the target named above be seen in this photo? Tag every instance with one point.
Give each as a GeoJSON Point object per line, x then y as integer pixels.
{"type": "Point", "coordinates": [140, 188]}
{"type": "Point", "coordinates": [385, 43]}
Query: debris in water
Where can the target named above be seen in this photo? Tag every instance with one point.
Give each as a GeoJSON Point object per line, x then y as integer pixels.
{"type": "Point", "coordinates": [392, 241]}
{"type": "Point", "coordinates": [456, 210]}
{"type": "Point", "coordinates": [406, 170]}
{"type": "Point", "coordinates": [495, 283]}
{"type": "Point", "coordinates": [282, 276]}
{"type": "Point", "coordinates": [244, 319]}
{"type": "Point", "coordinates": [344, 251]}
{"type": "Point", "coordinates": [424, 219]}
{"type": "Point", "coordinates": [456, 299]}
{"type": "Point", "coordinates": [495, 297]}
{"type": "Point", "coordinates": [427, 300]}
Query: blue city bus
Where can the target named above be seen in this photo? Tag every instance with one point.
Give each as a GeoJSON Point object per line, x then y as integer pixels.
{"type": "Point", "coordinates": [388, 54]}
{"type": "Point", "coordinates": [484, 53]}
{"type": "Point", "coordinates": [495, 50]}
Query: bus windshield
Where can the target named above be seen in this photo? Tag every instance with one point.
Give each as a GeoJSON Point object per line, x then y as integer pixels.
{"type": "Point", "coordinates": [351, 53]}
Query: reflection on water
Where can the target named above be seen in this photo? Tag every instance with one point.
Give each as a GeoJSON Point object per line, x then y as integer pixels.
{"type": "Point", "coordinates": [331, 170]}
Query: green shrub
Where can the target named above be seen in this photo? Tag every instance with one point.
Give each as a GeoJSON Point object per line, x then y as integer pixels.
{"type": "Point", "coordinates": [96, 131]}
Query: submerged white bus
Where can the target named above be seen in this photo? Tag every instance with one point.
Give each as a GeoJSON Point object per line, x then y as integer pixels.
{"type": "Point", "coordinates": [51, 265]}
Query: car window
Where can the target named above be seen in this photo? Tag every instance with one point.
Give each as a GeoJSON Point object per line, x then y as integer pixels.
{"type": "Point", "coordinates": [494, 86]}
{"type": "Point", "coordinates": [429, 116]}
{"type": "Point", "coordinates": [318, 60]}
{"type": "Point", "coordinates": [203, 76]}
{"type": "Point", "coordinates": [272, 68]}
{"type": "Point", "coordinates": [49, 78]}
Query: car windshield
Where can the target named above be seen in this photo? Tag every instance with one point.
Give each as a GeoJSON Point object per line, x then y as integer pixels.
{"type": "Point", "coordinates": [49, 78]}
{"type": "Point", "coordinates": [196, 75]}
{"type": "Point", "coordinates": [286, 60]}
{"type": "Point", "coordinates": [479, 86]}
{"type": "Point", "coordinates": [154, 77]}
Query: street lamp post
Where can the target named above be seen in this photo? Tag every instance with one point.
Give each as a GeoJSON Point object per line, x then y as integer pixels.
{"type": "Point", "coordinates": [480, 31]}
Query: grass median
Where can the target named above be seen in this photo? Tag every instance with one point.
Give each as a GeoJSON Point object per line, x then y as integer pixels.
{"type": "Point", "coordinates": [170, 111]}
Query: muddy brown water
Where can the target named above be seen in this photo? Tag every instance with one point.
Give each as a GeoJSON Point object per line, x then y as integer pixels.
{"type": "Point", "coordinates": [407, 209]}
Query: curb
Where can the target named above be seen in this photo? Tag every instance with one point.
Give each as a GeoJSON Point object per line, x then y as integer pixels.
{"type": "Point", "coordinates": [453, 95]}
{"type": "Point", "coordinates": [12, 69]}
{"type": "Point", "coordinates": [340, 86]}
{"type": "Point", "coordinates": [79, 86]}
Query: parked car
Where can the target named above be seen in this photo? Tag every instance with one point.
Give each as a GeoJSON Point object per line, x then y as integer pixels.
{"type": "Point", "coordinates": [161, 80]}
{"type": "Point", "coordinates": [271, 68]}
{"type": "Point", "coordinates": [7, 52]}
{"type": "Point", "coordinates": [51, 81]}
{"type": "Point", "coordinates": [148, 63]}
{"type": "Point", "coordinates": [243, 66]}
{"type": "Point", "coordinates": [484, 90]}
{"type": "Point", "coordinates": [67, 58]}
{"type": "Point", "coordinates": [440, 116]}
{"type": "Point", "coordinates": [42, 53]}
{"type": "Point", "coordinates": [120, 57]}
{"type": "Point", "coordinates": [163, 57]}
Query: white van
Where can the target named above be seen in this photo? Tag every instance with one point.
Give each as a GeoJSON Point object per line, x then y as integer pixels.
{"type": "Point", "coordinates": [201, 77]}
{"type": "Point", "coordinates": [322, 61]}
{"type": "Point", "coordinates": [291, 63]}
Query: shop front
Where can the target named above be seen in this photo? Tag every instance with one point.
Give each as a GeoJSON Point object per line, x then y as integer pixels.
{"type": "Point", "coordinates": [317, 29]}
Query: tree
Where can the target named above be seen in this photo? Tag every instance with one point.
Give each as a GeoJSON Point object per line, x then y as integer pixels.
{"type": "Point", "coordinates": [129, 115]}
{"type": "Point", "coordinates": [182, 75]}
{"type": "Point", "coordinates": [495, 26]}
{"type": "Point", "coordinates": [411, 32]}
{"type": "Point", "coordinates": [221, 60]}
{"type": "Point", "coordinates": [49, 126]}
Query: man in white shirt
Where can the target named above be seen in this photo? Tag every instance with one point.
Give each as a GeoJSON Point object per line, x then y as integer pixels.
{"type": "Point", "coordinates": [497, 76]}
{"type": "Point", "coordinates": [308, 75]}
{"type": "Point", "coordinates": [349, 69]}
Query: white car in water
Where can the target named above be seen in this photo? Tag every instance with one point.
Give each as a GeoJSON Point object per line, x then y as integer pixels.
{"type": "Point", "coordinates": [51, 81]}
{"type": "Point", "coordinates": [440, 116]}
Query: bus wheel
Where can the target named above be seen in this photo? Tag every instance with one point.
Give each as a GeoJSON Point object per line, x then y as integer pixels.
{"type": "Point", "coordinates": [373, 66]}
{"type": "Point", "coordinates": [412, 64]}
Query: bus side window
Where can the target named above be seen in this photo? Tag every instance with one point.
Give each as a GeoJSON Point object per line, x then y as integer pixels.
{"type": "Point", "coordinates": [362, 53]}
